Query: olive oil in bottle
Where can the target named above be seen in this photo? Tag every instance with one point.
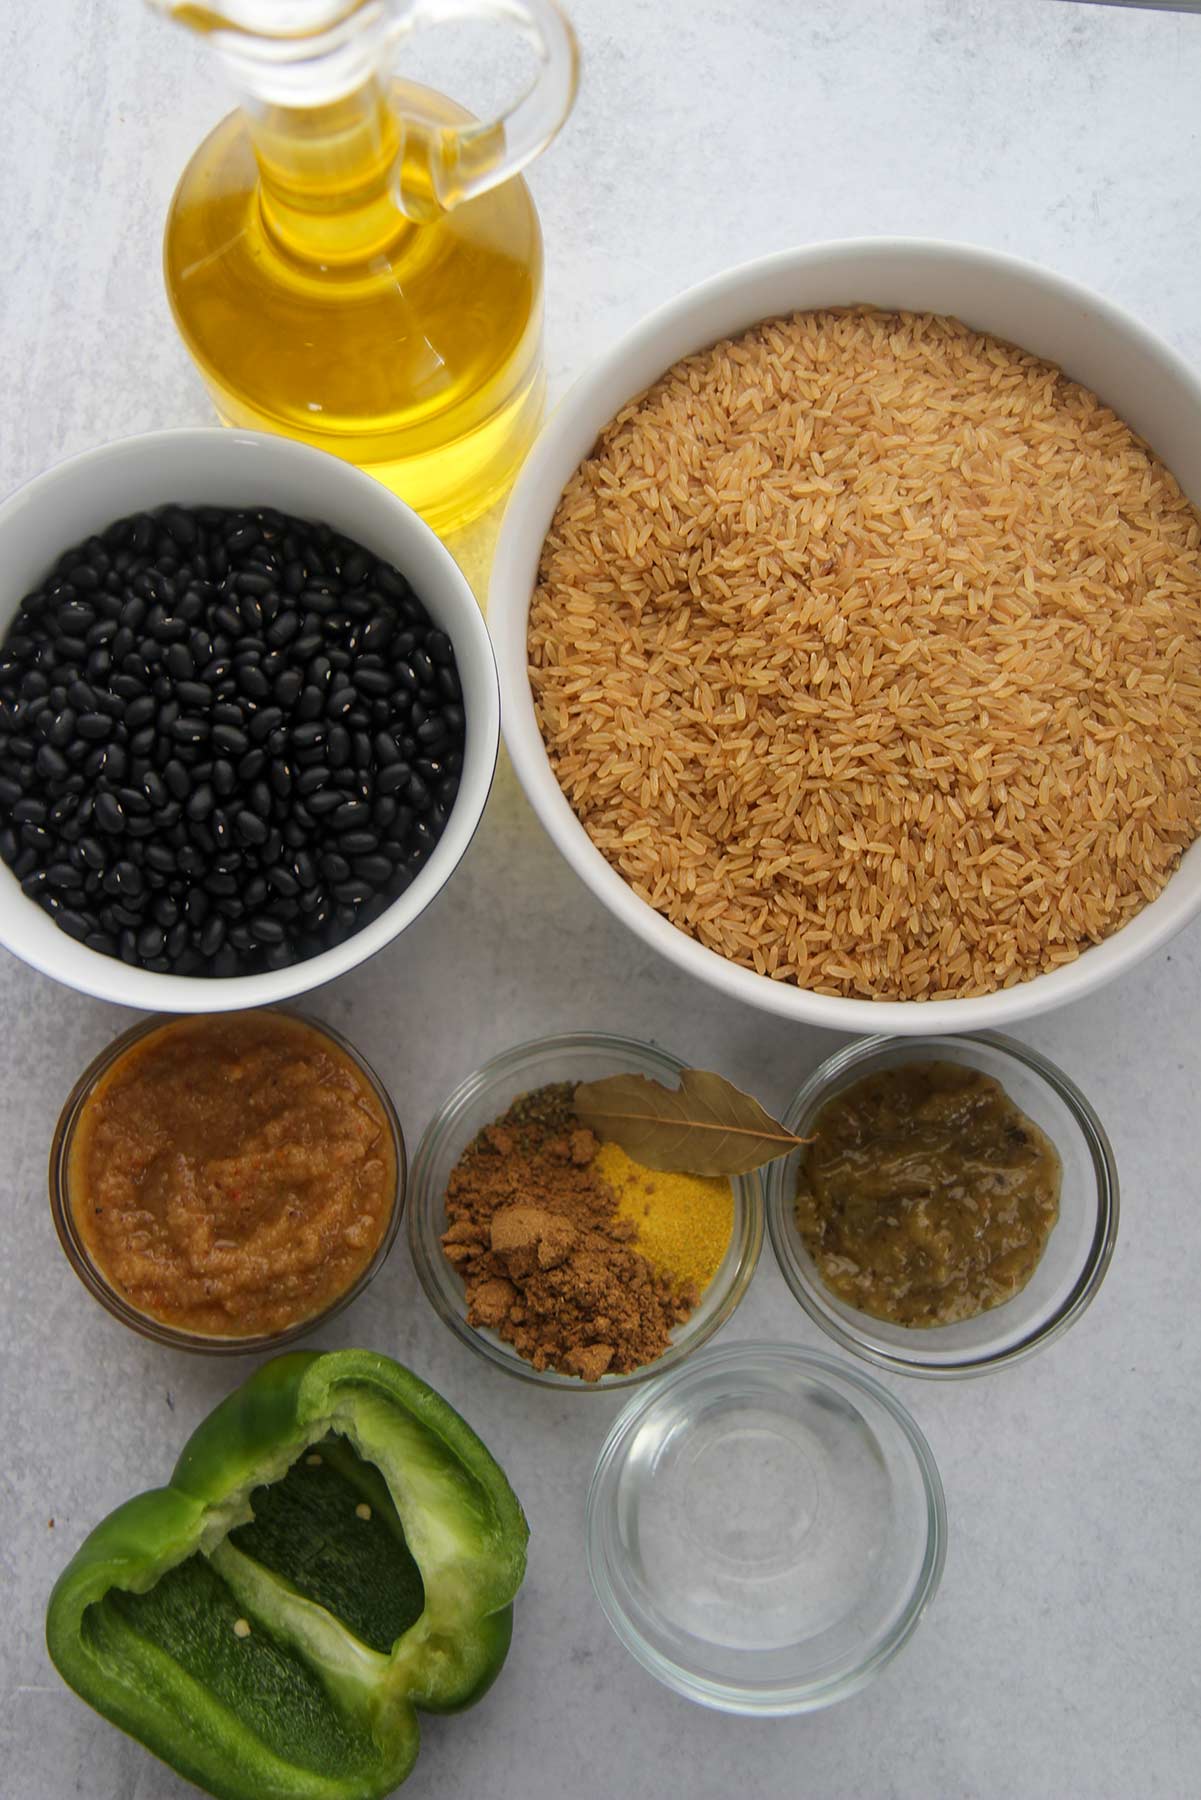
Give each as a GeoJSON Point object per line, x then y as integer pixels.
{"type": "Point", "coordinates": [343, 269]}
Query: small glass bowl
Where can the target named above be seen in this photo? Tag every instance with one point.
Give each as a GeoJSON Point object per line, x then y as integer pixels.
{"type": "Point", "coordinates": [1078, 1250]}
{"type": "Point", "coordinates": [765, 1528]}
{"type": "Point", "coordinates": [97, 1283]}
{"type": "Point", "coordinates": [481, 1099]}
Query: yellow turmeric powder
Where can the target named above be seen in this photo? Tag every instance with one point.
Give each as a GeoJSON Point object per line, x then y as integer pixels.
{"type": "Point", "coordinates": [684, 1221]}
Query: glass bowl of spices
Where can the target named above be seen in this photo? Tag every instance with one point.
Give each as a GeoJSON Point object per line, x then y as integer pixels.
{"type": "Point", "coordinates": [553, 1253]}
{"type": "Point", "coordinates": [227, 1183]}
{"type": "Point", "coordinates": [955, 1205]}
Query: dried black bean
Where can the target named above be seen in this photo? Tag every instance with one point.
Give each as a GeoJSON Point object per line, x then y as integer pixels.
{"type": "Point", "coordinates": [375, 869]}
{"type": "Point", "coordinates": [179, 782]}
{"type": "Point", "coordinates": [155, 788]}
{"type": "Point", "coordinates": [231, 739]}
{"type": "Point", "coordinates": [133, 800]}
{"type": "Point", "coordinates": [358, 842]}
{"type": "Point", "coordinates": [377, 683]}
{"type": "Point", "coordinates": [249, 827]}
{"type": "Point", "coordinates": [51, 764]}
{"type": "Point", "coordinates": [265, 929]}
{"type": "Point", "coordinates": [201, 801]}
{"type": "Point", "coordinates": [283, 628]}
{"type": "Point", "coordinates": [146, 688]}
{"type": "Point", "coordinates": [265, 720]}
{"type": "Point", "coordinates": [334, 867]}
{"type": "Point", "coordinates": [377, 632]}
{"type": "Point", "coordinates": [194, 694]}
{"type": "Point", "coordinates": [177, 660]}
{"type": "Point", "coordinates": [394, 779]}
{"type": "Point", "coordinates": [350, 814]}
{"type": "Point", "coordinates": [252, 682]}
{"type": "Point", "coordinates": [256, 582]}
{"type": "Point", "coordinates": [310, 705]}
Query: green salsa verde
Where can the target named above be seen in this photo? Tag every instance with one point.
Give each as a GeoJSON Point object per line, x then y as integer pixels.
{"type": "Point", "coordinates": [926, 1196]}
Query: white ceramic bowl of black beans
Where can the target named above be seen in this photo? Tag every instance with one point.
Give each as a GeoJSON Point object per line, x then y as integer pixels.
{"type": "Point", "coordinates": [249, 719]}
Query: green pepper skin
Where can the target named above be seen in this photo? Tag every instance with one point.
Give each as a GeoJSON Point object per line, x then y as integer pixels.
{"type": "Point", "coordinates": [169, 1670]}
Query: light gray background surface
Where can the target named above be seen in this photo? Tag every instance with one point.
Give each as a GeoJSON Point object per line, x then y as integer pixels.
{"type": "Point", "coordinates": [1061, 1655]}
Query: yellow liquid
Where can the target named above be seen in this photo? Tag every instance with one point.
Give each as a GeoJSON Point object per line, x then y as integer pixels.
{"type": "Point", "coordinates": [313, 307]}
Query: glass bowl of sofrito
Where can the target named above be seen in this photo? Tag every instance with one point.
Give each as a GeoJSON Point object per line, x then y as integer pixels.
{"type": "Point", "coordinates": [955, 1206]}
{"type": "Point", "coordinates": [227, 1183]}
{"type": "Point", "coordinates": [551, 1252]}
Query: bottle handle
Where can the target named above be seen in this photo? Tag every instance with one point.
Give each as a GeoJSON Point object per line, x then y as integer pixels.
{"type": "Point", "coordinates": [444, 165]}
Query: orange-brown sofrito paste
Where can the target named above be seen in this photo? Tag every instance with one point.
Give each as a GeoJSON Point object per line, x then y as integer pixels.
{"type": "Point", "coordinates": [232, 1175]}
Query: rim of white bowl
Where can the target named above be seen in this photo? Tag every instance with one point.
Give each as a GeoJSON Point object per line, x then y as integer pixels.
{"type": "Point", "coordinates": [646, 352]}
{"type": "Point", "coordinates": [435, 575]}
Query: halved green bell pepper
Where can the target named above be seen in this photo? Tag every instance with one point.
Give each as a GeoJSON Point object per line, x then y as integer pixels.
{"type": "Point", "coordinates": [336, 1548]}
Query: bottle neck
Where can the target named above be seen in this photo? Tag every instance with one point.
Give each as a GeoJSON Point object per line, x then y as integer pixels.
{"type": "Point", "coordinates": [328, 175]}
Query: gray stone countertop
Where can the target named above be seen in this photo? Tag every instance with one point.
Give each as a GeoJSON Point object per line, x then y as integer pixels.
{"type": "Point", "coordinates": [1060, 1657]}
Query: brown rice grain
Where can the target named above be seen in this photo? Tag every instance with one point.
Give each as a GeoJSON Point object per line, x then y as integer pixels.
{"type": "Point", "coordinates": [866, 648]}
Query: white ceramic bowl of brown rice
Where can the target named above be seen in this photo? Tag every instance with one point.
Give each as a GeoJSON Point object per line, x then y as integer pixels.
{"type": "Point", "coordinates": [848, 617]}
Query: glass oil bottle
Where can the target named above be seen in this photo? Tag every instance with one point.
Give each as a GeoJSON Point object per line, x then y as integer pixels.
{"type": "Point", "coordinates": [354, 261]}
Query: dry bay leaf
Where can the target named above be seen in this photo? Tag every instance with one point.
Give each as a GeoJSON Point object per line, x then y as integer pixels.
{"type": "Point", "coordinates": [706, 1126]}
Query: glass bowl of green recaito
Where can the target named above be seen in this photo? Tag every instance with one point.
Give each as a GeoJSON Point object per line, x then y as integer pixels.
{"type": "Point", "coordinates": [463, 1286]}
{"type": "Point", "coordinates": [953, 1208]}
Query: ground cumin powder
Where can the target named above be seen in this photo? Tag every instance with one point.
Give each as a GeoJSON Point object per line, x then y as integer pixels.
{"type": "Point", "coordinates": [545, 1255]}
